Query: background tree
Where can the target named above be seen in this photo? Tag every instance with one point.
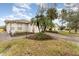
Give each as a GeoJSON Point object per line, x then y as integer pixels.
{"type": "Point", "coordinates": [68, 19]}
{"type": "Point", "coordinates": [72, 19]}
{"type": "Point", "coordinates": [75, 21]}
{"type": "Point", "coordinates": [63, 17]}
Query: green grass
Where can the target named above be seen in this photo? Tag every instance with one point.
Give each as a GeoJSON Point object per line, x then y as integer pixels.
{"type": "Point", "coordinates": [77, 35]}
{"type": "Point", "coordinates": [23, 47]}
{"type": "Point", "coordinates": [67, 33]}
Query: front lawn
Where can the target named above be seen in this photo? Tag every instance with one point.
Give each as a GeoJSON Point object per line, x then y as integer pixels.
{"type": "Point", "coordinates": [65, 33]}
{"type": "Point", "coordinates": [26, 47]}
{"type": "Point", "coordinates": [68, 34]}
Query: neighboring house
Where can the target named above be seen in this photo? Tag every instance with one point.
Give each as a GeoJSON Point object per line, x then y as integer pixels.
{"type": "Point", "coordinates": [56, 27]}
{"type": "Point", "coordinates": [2, 28]}
{"type": "Point", "coordinates": [15, 26]}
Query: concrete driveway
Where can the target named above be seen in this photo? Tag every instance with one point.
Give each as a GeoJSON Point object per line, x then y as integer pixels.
{"type": "Point", "coordinates": [59, 36]}
{"type": "Point", "coordinates": [4, 36]}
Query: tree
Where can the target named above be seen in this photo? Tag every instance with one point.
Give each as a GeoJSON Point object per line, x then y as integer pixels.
{"type": "Point", "coordinates": [36, 21]}
{"type": "Point", "coordinates": [42, 18]}
{"type": "Point", "coordinates": [63, 16]}
{"type": "Point", "coordinates": [72, 20]}
{"type": "Point", "coordinates": [42, 22]}
{"type": "Point", "coordinates": [68, 19]}
{"type": "Point", "coordinates": [52, 14]}
{"type": "Point", "coordinates": [62, 27]}
{"type": "Point", "coordinates": [75, 21]}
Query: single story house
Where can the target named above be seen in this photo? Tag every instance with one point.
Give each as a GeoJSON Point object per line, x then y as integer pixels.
{"type": "Point", "coordinates": [15, 26]}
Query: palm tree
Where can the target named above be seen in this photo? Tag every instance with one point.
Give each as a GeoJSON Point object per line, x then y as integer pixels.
{"type": "Point", "coordinates": [36, 21]}
{"type": "Point", "coordinates": [52, 14]}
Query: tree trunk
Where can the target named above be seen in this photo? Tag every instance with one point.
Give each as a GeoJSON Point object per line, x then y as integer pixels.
{"type": "Point", "coordinates": [50, 29]}
{"type": "Point", "coordinates": [54, 29]}
{"type": "Point", "coordinates": [38, 28]}
{"type": "Point", "coordinates": [69, 30]}
{"type": "Point", "coordinates": [75, 30]}
{"type": "Point", "coordinates": [44, 28]}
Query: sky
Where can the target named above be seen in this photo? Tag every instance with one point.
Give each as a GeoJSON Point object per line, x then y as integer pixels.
{"type": "Point", "coordinates": [14, 11]}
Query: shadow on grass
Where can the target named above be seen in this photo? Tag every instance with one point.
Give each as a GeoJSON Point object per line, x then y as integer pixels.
{"type": "Point", "coordinates": [22, 33]}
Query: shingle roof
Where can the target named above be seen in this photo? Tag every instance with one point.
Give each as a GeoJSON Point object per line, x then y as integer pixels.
{"type": "Point", "coordinates": [17, 21]}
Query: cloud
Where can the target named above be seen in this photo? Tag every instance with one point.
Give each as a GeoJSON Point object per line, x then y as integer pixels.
{"type": "Point", "coordinates": [44, 5]}
{"type": "Point", "coordinates": [21, 11]}
{"type": "Point", "coordinates": [9, 17]}
{"type": "Point", "coordinates": [24, 5]}
{"type": "Point", "coordinates": [2, 21]}
{"type": "Point", "coordinates": [27, 17]}
{"type": "Point", "coordinates": [59, 10]}
{"type": "Point", "coordinates": [74, 8]}
{"type": "Point", "coordinates": [17, 10]}
{"type": "Point", "coordinates": [22, 16]}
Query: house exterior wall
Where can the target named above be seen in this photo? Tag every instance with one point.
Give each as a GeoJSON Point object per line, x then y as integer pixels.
{"type": "Point", "coordinates": [17, 27]}
{"type": "Point", "coordinates": [33, 28]}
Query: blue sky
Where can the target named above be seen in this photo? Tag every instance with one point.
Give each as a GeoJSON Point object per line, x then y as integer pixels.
{"type": "Point", "coordinates": [19, 11]}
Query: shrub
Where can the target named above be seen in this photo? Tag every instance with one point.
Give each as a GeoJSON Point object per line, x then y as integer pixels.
{"type": "Point", "coordinates": [53, 31]}
{"type": "Point", "coordinates": [40, 36]}
{"type": "Point", "coordinates": [62, 27]}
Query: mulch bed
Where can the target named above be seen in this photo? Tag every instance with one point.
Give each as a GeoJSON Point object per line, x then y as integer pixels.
{"type": "Point", "coordinates": [39, 37]}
